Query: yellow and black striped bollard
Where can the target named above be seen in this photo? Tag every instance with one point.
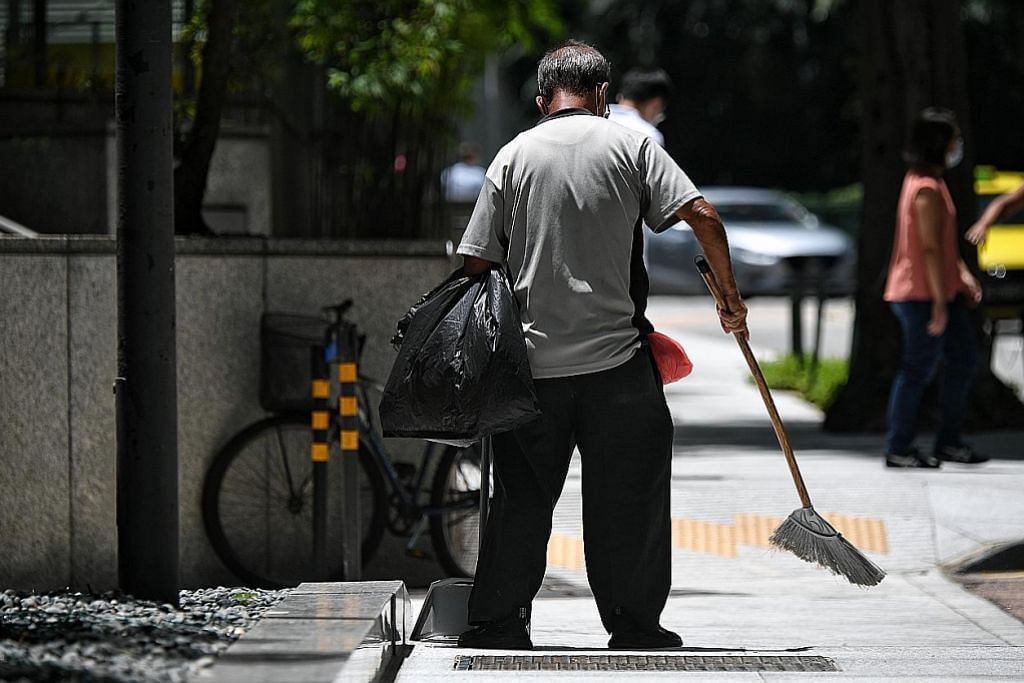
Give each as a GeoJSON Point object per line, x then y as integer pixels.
{"type": "Point", "coordinates": [320, 452]}
{"type": "Point", "coordinates": [348, 414]}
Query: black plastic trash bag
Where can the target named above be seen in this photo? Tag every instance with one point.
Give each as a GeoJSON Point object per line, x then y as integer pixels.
{"type": "Point", "coordinates": [461, 372]}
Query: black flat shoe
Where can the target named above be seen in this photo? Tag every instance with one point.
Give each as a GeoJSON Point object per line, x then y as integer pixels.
{"type": "Point", "coordinates": [962, 454]}
{"type": "Point", "coordinates": [632, 638]}
{"type": "Point", "coordinates": [512, 633]}
{"type": "Point", "coordinates": [912, 458]}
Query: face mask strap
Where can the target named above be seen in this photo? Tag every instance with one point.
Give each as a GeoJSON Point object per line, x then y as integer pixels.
{"type": "Point", "coordinates": [955, 155]}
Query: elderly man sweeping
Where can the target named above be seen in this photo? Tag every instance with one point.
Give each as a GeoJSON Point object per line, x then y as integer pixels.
{"type": "Point", "coordinates": [563, 208]}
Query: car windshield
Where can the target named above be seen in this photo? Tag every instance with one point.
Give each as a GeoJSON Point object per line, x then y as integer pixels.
{"type": "Point", "coordinates": [759, 213]}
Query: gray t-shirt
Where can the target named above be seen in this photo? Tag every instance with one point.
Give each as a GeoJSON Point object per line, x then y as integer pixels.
{"type": "Point", "coordinates": [564, 201]}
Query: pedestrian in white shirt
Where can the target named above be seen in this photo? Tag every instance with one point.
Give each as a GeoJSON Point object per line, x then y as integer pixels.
{"type": "Point", "coordinates": [643, 97]}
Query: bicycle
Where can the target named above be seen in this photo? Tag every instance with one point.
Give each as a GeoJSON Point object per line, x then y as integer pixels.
{"type": "Point", "coordinates": [257, 500]}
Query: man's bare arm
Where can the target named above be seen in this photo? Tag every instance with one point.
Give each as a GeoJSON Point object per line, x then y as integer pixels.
{"type": "Point", "coordinates": [710, 233]}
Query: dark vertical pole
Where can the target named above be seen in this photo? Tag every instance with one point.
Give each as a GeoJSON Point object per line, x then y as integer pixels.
{"type": "Point", "coordinates": [796, 318]}
{"type": "Point", "coordinates": [348, 409]}
{"type": "Point", "coordinates": [95, 53]}
{"type": "Point", "coordinates": [319, 454]}
{"type": "Point", "coordinates": [12, 41]}
{"type": "Point", "coordinates": [147, 410]}
{"type": "Point", "coordinates": [819, 324]}
{"type": "Point", "coordinates": [39, 42]}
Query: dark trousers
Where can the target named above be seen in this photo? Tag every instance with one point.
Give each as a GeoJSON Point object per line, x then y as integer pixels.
{"type": "Point", "coordinates": [620, 422]}
{"type": "Point", "coordinates": [921, 355]}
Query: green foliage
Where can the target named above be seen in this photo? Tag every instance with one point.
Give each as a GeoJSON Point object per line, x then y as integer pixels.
{"type": "Point", "coordinates": [258, 40]}
{"type": "Point", "coordinates": [243, 596]}
{"type": "Point", "coordinates": [817, 385]}
{"type": "Point", "coordinates": [420, 53]}
{"type": "Point", "coordinates": [847, 197]}
{"type": "Point", "coordinates": [840, 206]}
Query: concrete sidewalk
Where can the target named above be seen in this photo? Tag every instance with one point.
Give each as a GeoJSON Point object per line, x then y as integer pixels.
{"type": "Point", "coordinates": [732, 597]}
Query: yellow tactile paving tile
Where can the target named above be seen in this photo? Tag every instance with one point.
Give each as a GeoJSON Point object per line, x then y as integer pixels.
{"type": "Point", "coordinates": [867, 533]}
{"type": "Point", "coordinates": [704, 537]}
{"type": "Point", "coordinates": [565, 552]}
{"type": "Point", "coordinates": [755, 529]}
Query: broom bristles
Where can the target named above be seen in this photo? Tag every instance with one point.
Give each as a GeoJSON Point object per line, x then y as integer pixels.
{"type": "Point", "coordinates": [810, 537]}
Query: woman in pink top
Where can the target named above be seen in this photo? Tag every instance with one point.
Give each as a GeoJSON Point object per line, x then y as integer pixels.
{"type": "Point", "coordinates": [927, 288]}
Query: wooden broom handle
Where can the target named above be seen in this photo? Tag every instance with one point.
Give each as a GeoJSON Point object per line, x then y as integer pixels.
{"type": "Point", "coordinates": [755, 370]}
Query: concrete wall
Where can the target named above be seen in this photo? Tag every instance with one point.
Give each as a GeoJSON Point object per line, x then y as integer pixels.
{"type": "Point", "coordinates": [56, 183]}
{"type": "Point", "coordinates": [238, 189]}
{"type": "Point", "coordinates": [65, 181]}
{"type": "Point", "coordinates": [58, 360]}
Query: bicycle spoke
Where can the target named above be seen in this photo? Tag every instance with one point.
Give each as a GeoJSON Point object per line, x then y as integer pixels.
{"type": "Point", "coordinates": [262, 505]}
{"type": "Point", "coordinates": [250, 479]}
{"type": "Point", "coordinates": [284, 459]}
{"type": "Point", "coordinates": [257, 505]}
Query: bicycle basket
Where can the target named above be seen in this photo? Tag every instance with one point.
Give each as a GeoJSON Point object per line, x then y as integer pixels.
{"type": "Point", "coordinates": [287, 342]}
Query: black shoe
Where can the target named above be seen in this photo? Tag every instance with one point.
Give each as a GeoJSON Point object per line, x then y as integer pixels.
{"type": "Point", "coordinates": [511, 633]}
{"type": "Point", "coordinates": [962, 453]}
{"type": "Point", "coordinates": [912, 458]}
{"type": "Point", "coordinates": [633, 638]}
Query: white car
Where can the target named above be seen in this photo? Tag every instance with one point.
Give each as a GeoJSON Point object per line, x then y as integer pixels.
{"type": "Point", "coordinates": [774, 241]}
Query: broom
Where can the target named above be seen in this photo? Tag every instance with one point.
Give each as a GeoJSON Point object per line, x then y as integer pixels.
{"type": "Point", "coordinates": [805, 533]}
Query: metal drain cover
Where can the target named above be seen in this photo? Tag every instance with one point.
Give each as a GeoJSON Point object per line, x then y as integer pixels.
{"type": "Point", "coordinates": [641, 663]}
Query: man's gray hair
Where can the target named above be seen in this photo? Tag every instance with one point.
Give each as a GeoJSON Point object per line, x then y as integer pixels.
{"type": "Point", "coordinates": [573, 67]}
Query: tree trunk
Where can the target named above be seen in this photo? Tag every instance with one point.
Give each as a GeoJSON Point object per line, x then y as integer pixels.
{"type": "Point", "coordinates": [40, 66]}
{"type": "Point", "coordinates": [912, 56]}
{"type": "Point", "coordinates": [197, 149]}
{"type": "Point", "coordinates": [12, 42]}
{"type": "Point", "coordinates": [188, 68]}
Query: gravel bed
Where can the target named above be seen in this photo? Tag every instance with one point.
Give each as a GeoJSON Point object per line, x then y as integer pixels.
{"type": "Point", "coordinates": [67, 636]}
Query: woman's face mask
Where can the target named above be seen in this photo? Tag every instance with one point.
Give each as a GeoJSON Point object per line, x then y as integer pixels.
{"type": "Point", "coordinates": [955, 154]}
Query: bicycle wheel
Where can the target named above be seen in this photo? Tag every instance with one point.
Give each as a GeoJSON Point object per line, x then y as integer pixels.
{"type": "Point", "coordinates": [455, 531]}
{"type": "Point", "coordinates": [258, 504]}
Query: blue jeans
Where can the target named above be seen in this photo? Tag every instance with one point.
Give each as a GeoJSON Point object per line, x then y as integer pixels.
{"type": "Point", "coordinates": [921, 355]}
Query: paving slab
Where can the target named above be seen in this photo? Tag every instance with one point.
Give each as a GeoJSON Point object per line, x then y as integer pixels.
{"type": "Point", "coordinates": [338, 631]}
{"type": "Point", "coordinates": [733, 596]}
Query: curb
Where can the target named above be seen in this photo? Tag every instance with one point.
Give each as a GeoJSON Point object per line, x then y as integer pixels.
{"type": "Point", "coordinates": [335, 631]}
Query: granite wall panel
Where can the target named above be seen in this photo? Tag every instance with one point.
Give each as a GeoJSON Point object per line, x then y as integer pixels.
{"type": "Point", "coordinates": [58, 359]}
{"type": "Point", "coordinates": [34, 487]}
{"type": "Point", "coordinates": [382, 290]}
{"type": "Point", "coordinates": [92, 310]}
{"type": "Point", "coordinates": [219, 305]}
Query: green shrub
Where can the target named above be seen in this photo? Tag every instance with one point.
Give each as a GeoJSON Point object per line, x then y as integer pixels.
{"type": "Point", "coordinates": [816, 384]}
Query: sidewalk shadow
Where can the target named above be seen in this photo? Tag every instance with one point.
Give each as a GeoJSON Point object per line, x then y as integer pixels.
{"type": "Point", "coordinates": [803, 436]}
{"type": "Point", "coordinates": [609, 651]}
{"type": "Point", "coordinates": [558, 587]}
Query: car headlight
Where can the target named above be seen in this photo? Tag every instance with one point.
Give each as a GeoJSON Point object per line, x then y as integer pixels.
{"type": "Point", "coordinates": [754, 258]}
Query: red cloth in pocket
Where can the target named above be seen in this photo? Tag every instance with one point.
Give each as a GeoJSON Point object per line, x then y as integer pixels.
{"type": "Point", "coordinates": [670, 357]}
